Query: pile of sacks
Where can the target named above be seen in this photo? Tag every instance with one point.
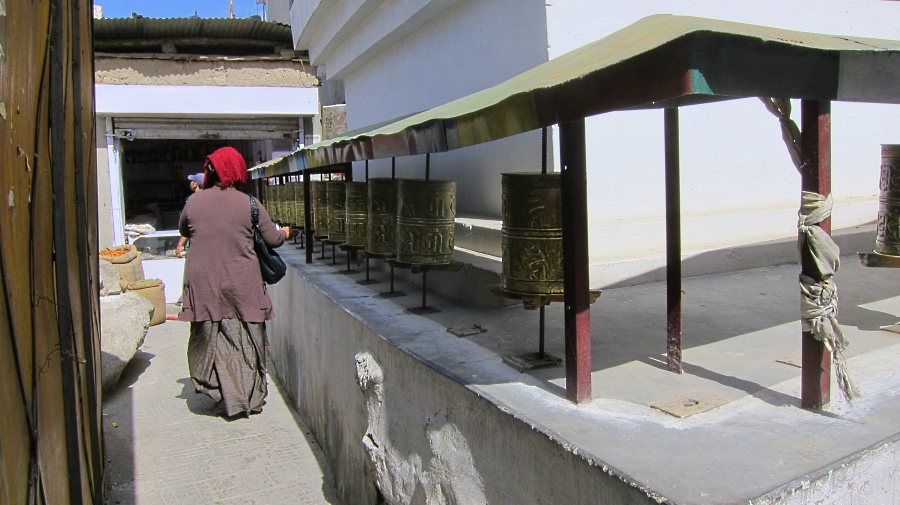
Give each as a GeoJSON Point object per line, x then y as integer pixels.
{"type": "Point", "coordinates": [129, 305]}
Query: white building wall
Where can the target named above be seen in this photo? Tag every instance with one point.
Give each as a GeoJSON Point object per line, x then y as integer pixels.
{"type": "Point", "coordinates": [732, 154]}
{"type": "Point", "coordinates": [469, 47]}
{"type": "Point", "coordinates": [738, 184]}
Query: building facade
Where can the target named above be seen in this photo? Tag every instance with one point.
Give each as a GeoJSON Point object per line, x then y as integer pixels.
{"type": "Point", "coordinates": [398, 57]}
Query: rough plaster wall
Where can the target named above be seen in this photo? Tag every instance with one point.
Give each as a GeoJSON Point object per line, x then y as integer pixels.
{"type": "Point", "coordinates": [388, 419]}
{"type": "Point", "coordinates": [173, 72]}
{"type": "Point", "coordinates": [872, 479]}
{"type": "Point", "coordinates": [449, 478]}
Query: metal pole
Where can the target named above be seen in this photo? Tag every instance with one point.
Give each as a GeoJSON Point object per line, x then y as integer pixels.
{"type": "Point", "coordinates": [815, 141]}
{"type": "Point", "coordinates": [673, 243]}
{"type": "Point", "coordinates": [424, 287]}
{"type": "Point", "coordinates": [348, 172]}
{"type": "Point", "coordinates": [393, 168]}
{"type": "Point", "coordinates": [541, 342]}
{"type": "Point", "coordinates": [543, 153]}
{"type": "Point", "coordinates": [428, 167]}
{"type": "Point", "coordinates": [307, 216]}
{"type": "Point", "coordinates": [573, 180]}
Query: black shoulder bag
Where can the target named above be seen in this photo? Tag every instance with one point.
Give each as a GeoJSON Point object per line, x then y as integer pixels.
{"type": "Point", "coordinates": [271, 265]}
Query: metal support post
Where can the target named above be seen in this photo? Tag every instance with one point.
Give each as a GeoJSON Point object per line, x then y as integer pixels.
{"type": "Point", "coordinates": [674, 344]}
{"type": "Point", "coordinates": [541, 342]}
{"type": "Point", "coordinates": [815, 142]}
{"type": "Point", "coordinates": [573, 179]}
{"type": "Point", "coordinates": [307, 217]}
{"type": "Point", "coordinates": [424, 288]}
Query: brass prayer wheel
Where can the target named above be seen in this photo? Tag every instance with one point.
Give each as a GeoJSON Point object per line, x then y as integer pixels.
{"type": "Point", "coordinates": [266, 197]}
{"type": "Point", "coordinates": [319, 194]}
{"type": "Point", "coordinates": [287, 203]}
{"type": "Point", "coordinates": [337, 214]}
{"type": "Point", "coordinates": [357, 194]}
{"type": "Point", "coordinates": [275, 207]}
{"type": "Point", "coordinates": [299, 204]}
{"type": "Point", "coordinates": [887, 239]}
{"type": "Point", "coordinates": [425, 216]}
{"type": "Point", "coordinates": [532, 233]}
{"type": "Point", "coordinates": [382, 210]}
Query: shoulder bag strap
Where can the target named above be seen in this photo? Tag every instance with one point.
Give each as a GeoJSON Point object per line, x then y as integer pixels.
{"type": "Point", "coordinates": [254, 213]}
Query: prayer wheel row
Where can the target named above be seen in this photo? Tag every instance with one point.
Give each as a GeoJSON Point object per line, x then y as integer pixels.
{"type": "Point", "coordinates": [284, 202]}
{"type": "Point", "coordinates": [412, 219]}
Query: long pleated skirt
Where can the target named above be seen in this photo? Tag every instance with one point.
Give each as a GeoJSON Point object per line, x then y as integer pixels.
{"type": "Point", "coordinates": [227, 361]}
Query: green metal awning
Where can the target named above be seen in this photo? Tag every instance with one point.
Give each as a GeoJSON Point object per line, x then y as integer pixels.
{"type": "Point", "coordinates": [659, 61]}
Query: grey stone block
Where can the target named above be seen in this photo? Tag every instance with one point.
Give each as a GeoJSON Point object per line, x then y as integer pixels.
{"type": "Point", "coordinates": [124, 321]}
{"type": "Point", "coordinates": [109, 279]}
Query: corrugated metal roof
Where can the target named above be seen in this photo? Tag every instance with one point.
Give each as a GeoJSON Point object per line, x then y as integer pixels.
{"type": "Point", "coordinates": [660, 61]}
{"type": "Point", "coordinates": [156, 28]}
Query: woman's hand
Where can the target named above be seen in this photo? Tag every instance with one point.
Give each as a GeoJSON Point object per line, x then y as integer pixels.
{"type": "Point", "coordinates": [290, 232]}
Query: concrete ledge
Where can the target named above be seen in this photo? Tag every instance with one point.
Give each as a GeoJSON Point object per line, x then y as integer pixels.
{"type": "Point", "coordinates": [395, 399]}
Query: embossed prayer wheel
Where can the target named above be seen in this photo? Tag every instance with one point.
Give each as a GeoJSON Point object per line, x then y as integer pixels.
{"type": "Point", "coordinates": [275, 203]}
{"type": "Point", "coordinates": [337, 212]}
{"type": "Point", "coordinates": [357, 194]}
{"type": "Point", "coordinates": [425, 214]}
{"type": "Point", "coordinates": [266, 197]}
{"type": "Point", "coordinates": [319, 194]}
{"type": "Point", "coordinates": [287, 203]}
{"type": "Point", "coordinates": [299, 204]}
{"type": "Point", "coordinates": [887, 239]}
{"type": "Point", "coordinates": [382, 210]}
{"type": "Point", "coordinates": [532, 233]}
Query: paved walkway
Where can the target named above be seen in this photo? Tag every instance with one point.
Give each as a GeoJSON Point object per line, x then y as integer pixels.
{"type": "Point", "coordinates": [166, 445]}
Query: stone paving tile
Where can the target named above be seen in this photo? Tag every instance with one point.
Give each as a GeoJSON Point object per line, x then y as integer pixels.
{"type": "Point", "coordinates": [170, 447]}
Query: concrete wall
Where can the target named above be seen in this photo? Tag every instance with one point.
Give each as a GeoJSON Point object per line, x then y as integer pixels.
{"type": "Point", "coordinates": [374, 388]}
{"type": "Point", "coordinates": [105, 234]}
{"type": "Point", "coordinates": [736, 173]}
{"type": "Point", "coordinates": [408, 56]}
{"type": "Point", "coordinates": [209, 71]}
{"type": "Point", "coordinates": [278, 11]}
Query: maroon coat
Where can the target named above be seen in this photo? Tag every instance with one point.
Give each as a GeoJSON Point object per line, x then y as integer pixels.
{"type": "Point", "coordinates": [221, 275]}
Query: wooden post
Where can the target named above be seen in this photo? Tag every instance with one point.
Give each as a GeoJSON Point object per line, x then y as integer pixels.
{"type": "Point", "coordinates": [573, 180]}
{"type": "Point", "coordinates": [815, 141]}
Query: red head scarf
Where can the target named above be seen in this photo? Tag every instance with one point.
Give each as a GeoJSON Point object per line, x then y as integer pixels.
{"type": "Point", "coordinates": [229, 166]}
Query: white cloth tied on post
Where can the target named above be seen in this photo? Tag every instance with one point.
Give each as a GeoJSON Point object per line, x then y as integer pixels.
{"type": "Point", "coordinates": [818, 299]}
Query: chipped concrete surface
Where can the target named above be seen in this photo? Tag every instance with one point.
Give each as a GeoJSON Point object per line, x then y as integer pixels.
{"type": "Point", "coordinates": [449, 475]}
{"type": "Point", "coordinates": [615, 449]}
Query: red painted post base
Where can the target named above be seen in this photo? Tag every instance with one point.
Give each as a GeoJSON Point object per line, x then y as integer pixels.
{"type": "Point", "coordinates": [815, 389]}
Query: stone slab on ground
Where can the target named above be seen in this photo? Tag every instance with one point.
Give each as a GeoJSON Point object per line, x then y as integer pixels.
{"type": "Point", "coordinates": [166, 444]}
{"type": "Point", "coordinates": [124, 320]}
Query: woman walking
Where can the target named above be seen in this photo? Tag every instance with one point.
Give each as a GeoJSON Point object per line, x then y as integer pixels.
{"type": "Point", "coordinates": [225, 298]}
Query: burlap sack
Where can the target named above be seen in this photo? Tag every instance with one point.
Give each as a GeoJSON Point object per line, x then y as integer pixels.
{"type": "Point", "coordinates": [128, 264]}
{"type": "Point", "coordinates": [154, 291]}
